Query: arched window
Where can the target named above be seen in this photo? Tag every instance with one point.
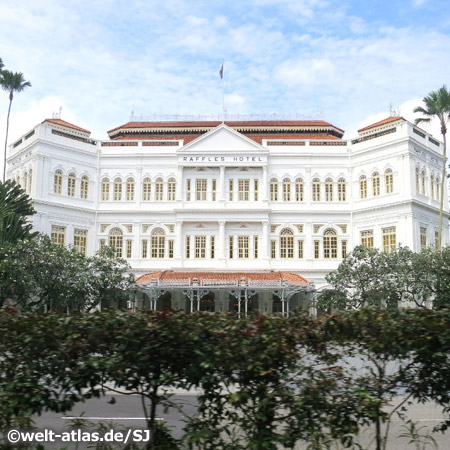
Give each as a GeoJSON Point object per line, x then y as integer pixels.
{"type": "Point", "coordinates": [286, 190]}
{"type": "Point", "coordinates": [30, 181]}
{"type": "Point", "coordinates": [389, 181]}
{"type": "Point", "coordinates": [316, 190]}
{"type": "Point", "coordinates": [329, 244]}
{"type": "Point", "coordinates": [299, 190]}
{"type": "Point", "coordinates": [25, 181]}
{"type": "Point", "coordinates": [342, 190]}
{"type": "Point", "coordinates": [417, 180]}
{"type": "Point", "coordinates": [18, 179]}
{"type": "Point", "coordinates": [433, 191]}
{"type": "Point", "coordinates": [116, 241]}
{"type": "Point", "coordinates": [363, 186]}
{"type": "Point", "coordinates": [57, 182]}
{"type": "Point", "coordinates": [146, 189]}
{"type": "Point", "coordinates": [159, 186]}
{"type": "Point", "coordinates": [273, 190]}
{"type": "Point", "coordinates": [375, 184]}
{"type": "Point", "coordinates": [105, 189]}
{"type": "Point", "coordinates": [438, 188]}
{"type": "Point", "coordinates": [158, 243]}
{"type": "Point", "coordinates": [117, 189]}
{"type": "Point", "coordinates": [171, 189]}
{"type": "Point", "coordinates": [423, 180]}
{"type": "Point", "coordinates": [286, 243]}
{"type": "Point", "coordinates": [329, 190]}
{"type": "Point", "coordinates": [130, 190]}
{"type": "Point", "coordinates": [71, 185]}
{"type": "Point", "coordinates": [84, 189]}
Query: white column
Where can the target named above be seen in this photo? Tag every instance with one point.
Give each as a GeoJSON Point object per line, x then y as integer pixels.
{"type": "Point", "coordinates": [179, 184]}
{"type": "Point", "coordinates": [221, 187]}
{"type": "Point", "coordinates": [221, 243]}
{"type": "Point", "coordinates": [263, 188]}
{"type": "Point", "coordinates": [265, 242]}
{"type": "Point", "coordinates": [178, 244]}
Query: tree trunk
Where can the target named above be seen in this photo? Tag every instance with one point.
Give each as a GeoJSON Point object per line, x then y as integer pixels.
{"type": "Point", "coordinates": [443, 186]}
{"type": "Point", "coordinates": [6, 138]}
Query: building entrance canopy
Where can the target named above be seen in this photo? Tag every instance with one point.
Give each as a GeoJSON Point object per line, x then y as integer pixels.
{"type": "Point", "coordinates": [244, 287]}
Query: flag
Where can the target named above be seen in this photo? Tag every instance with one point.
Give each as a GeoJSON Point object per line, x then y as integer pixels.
{"type": "Point", "coordinates": [221, 72]}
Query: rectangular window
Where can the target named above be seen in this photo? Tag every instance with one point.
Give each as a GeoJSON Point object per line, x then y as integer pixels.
{"type": "Point", "coordinates": [214, 190]}
{"type": "Point", "coordinates": [243, 243]}
{"type": "Point", "coordinates": [188, 247]}
{"type": "Point", "coordinates": [144, 248]}
{"type": "Point", "coordinates": [423, 237]}
{"type": "Point", "coordinates": [200, 247]}
{"type": "Point", "coordinates": [300, 249]}
{"type": "Point", "coordinates": [344, 249]}
{"type": "Point", "coordinates": [188, 190]}
{"type": "Point", "coordinates": [231, 247]}
{"type": "Point", "coordinates": [80, 241]}
{"type": "Point", "coordinates": [170, 249]}
{"type": "Point", "coordinates": [389, 239]}
{"type": "Point", "coordinates": [273, 249]}
{"type": "Point", "coordinates": [157, 247]}
{"type": "Point", "coordinates": [256, 188]}
{"type": "Point", "coordinates": [129, 247]}
{"type": "Point", "coordinates": [58, 235]}
{"type": "Point", "coordinates": [130, 191]}
{"type": "Point", "coordinates": [200, 189]}
{"type": "Point", "coordinates": [316, 249]}
{"type": "Point", "coordinates": [244, 190]}
{"type": "Point", "coordinates": [105, 191]}
{"type": "Point", "coordinates": [213, 247]}
{"type": "Point", "coordinates": [102, 243]}
{"type": "Point", "coordinates": [255, 247]}
{"type": "Point", "coordinates": [367, 238]}
{"type": "Point", "coordinates": [171, 190]}
{"type": "Point", "coordinates": [70, 186]}
{"type": "Point", "coordinates": [230, 189]}
{"type": "Point", "coordinates": [159, 190]}
{"type": "Point", "coordinates": [316, 191]}
{"type": "Point", "coordinates": [436, 236]}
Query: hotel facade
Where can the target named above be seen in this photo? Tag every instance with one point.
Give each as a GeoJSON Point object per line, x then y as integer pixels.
{"type": "Point", "coordinates": [255, 211]}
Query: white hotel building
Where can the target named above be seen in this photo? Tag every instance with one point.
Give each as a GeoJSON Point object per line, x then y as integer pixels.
{"type": "Point", "coordinates": [269, 207]}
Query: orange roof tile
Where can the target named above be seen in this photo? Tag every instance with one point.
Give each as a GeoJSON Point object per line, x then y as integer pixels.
{"type": "Point", "coordinates": [382, 122]}
{"type": "Point", "coordinates": [63, 123]}
{"type": "Point", "coordinates": [226, 276]}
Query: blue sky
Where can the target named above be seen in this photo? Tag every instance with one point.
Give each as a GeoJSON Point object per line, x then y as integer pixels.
{"type": "Point", "coordinates": [346, 61]}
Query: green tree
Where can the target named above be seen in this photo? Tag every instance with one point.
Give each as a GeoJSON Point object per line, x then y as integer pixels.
{"type": "Point", "coordinates": [437, 105]}
{"type": "Point", "coordinates": [11, 82]}
{"type": "Point", "coordinates": [15, 206]}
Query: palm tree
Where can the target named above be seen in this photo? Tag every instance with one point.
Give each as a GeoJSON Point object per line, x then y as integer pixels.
{"type": "Point", "coordinates": [437, 104]}
{"type": "Point", "coordinates": [11, 82]}
{"type": "Point", "coordinates": [15, 207]}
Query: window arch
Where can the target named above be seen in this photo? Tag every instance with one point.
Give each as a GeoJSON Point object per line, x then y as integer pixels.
{"type": "Point", "coordinates": [329, 244]}
{"type": "Point", "coordinates": [158, 243]}
{"type": "Point", "coordinates": [146, 189]}
{"type": "Point", "coordinates": [417, 180]}
{"type": "Point", "coordinates": [159, 189]}
{"type": "Point", "coordinates": [57, 182]}
{"type": "Point", "coordinates": [316, 190]}
{"type": "Point", "coordinates": [105, 189]}
{"type": "Point", "coordinates": [342, 190]}
{"type": "Point", "coordinates": [130, 190]}
{"type": "Point", "coordinates": [286, 243]}
{"type": "Point", "coordinates": [117, 189]}
{"type": "Point", "coordinates": [423, 180]}
{"type": "Point", "coordinates": [171, 189]}
{"type": "Point", "coordinates": [299, 190]}
{"type": "Point", "coordinates": [286, 190]}
{"type": "Point", "coordinates": [389, 181]}
{"type": "Point", "coordinates": [273, 190]}
{"type": "Point", "coordinates": [71, 181]}
{"type": "Point", "coordinates": [116, 241]}
{"type": "Point", "coordinates": [329, 190]}
{"type": "Point", "coordinates": [84, 187]}
{"type": "Point", "coordinates": [375, 184]}
{"type": "Point", "coordinates": [363, 186]}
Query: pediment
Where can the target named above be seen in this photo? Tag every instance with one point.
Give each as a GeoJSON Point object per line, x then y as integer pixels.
{"type": "Point", "coordinates": [223, 139]}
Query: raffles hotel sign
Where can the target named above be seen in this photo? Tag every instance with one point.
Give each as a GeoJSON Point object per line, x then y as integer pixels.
{"type": "Point", "coordinates": [222, 159]}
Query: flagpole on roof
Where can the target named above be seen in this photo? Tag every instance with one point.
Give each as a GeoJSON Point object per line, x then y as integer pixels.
{"type": "Point", "coordinates": [223, 91]}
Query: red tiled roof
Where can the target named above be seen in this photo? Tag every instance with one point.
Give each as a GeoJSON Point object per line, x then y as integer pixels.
{"type": "Point", "coordinates": [63, 123]}
{"type": "Point", "coordinates": [226, 276]}
{"type": "Point", "coordinates": [382, 122]}
{"type": "Point", "coordinates": [231, 123]}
